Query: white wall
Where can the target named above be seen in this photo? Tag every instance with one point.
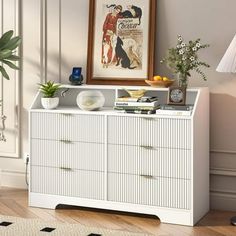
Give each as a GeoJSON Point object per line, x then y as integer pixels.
{"type": "Point", "coordinates": [212, 21]}
{"type": "Point", "coordinates": [9, 93]}
{"type": "Point", "coordinates": [66, 24]}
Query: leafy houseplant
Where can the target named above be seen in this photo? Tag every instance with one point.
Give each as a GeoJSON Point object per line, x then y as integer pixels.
{"type": "Point", "coordinates": [183, 59]}
{"type": "Point", "coordinates": [8, 45]}
{"type": "Point", "coordinates": [7, 51]}
{"type": "Point", "coordinates": [49, 100]}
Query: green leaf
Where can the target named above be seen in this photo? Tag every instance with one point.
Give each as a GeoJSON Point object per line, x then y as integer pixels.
{"type": "Point", "coordinates": [49, 89]}
{"type": "Point", "coordinates": [11, 65]}
{"type": "Point", "coordinates": [13, 58]}
{"type": "Point", "coordinates": [5, 38]}
{"type": "Point", "coordinates": [4, 73]}
{"type": "Point", "coordinates": [5, 54]}
{"type": "Point", "coordinates": [13, 43]}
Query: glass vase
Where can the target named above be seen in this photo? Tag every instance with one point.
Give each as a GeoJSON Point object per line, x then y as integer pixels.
{"type": "Point", "coordinates": [182, 80]}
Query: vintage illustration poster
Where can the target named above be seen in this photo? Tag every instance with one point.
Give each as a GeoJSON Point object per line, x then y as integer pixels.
{"type": "Point", "coordinates": [121, 37]}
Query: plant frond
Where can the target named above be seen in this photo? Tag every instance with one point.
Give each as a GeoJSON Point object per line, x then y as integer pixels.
{"type": "Point", "coordinates": [4, 73]}
{"type": "Point", "coordinates": [5, 38]}
{"type": "Point", "coordinates": [10, 64]}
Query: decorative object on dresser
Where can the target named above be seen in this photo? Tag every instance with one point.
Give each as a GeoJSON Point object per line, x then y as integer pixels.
{"type": "Point", "coordinates": [118, 161]}
{"type": "Point", "coordinates": [49, 100]}
{"type": "Point", "coordinates": [183, 58]}
{"type": "Point", "coordinates": [90, 100]}
{"type": "Point", "coordinates": [180, 110]}
{"type": "Point", "coordinates": [160, 82]}
{"type": "Point", "coordinates": [121, 42]}
{"type": "Point", "coordinates": [176, 96]}
{"type": "Point", "coordinates": [76, 78]}
{"type": "Point", "coordinates": [187, 107]}
{"type": "Point", "coordinates": [228, 65]}
{"type": "Point", "coordinates": [141, 105]}
{"type": "Point", "coordinates": [137, 93]}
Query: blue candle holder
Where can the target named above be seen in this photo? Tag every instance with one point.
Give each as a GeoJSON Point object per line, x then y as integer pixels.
{"type": "Point", "coordinates": [76, 77]}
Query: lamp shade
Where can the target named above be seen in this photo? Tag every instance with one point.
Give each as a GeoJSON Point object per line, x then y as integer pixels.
{"type": "Point", "coordinates": [228, 61]}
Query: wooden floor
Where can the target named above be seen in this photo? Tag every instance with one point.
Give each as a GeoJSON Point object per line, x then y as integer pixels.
{"type": "Point", "coordinates": [13, 202]}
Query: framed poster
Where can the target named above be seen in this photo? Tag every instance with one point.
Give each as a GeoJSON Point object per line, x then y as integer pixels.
{"type": "Point", "coordinates": [121, 41]}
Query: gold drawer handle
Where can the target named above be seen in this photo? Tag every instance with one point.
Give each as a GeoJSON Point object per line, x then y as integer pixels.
{"type": "Point", "coordinates": [66, 168]}
{"type": "Point", "coordinates": [150, 118]}
{"type": "Point", "coordinates": [66, 141]}
{"type": "Point", "coordinates": [147, 147]}
{"type": "Point", "coordinates": [147, 176]}
{"type": "Point", "coordinates": [66, 114]}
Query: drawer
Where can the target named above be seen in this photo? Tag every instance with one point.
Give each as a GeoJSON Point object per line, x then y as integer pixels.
{"type": "Point", "coordinates": [157, 132]}
{"type": "Point", "coordinates": [158, 191]}
{"type": "Point", "coordinates": [162, 162]}
{"type": "Point", "coordinates": [78, 155]}
{"type": "Point", "coordinates": [59, 126]}
{"type": "Point", "coordinates": [72, 183]}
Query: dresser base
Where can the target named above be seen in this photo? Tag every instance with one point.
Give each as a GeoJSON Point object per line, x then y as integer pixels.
{"type": "Point", "coordinates": [166, 215]}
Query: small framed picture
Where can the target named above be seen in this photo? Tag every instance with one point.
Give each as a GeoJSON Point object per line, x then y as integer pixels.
{"type": "Point", "coordinates": [121, 41]}
{"type": "Point", "coordinates": [176, 96]}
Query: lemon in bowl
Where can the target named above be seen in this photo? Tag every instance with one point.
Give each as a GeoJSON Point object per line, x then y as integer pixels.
{"type": "Point", "coordinates": [157, 78]}
{"type": "Point", "coordinates": [160, 82]}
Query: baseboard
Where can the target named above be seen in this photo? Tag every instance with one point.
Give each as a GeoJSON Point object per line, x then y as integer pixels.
{"type": "Point", "coordinates": [13, 179]}
{"type": "Point", "coordinates": [223, 201]}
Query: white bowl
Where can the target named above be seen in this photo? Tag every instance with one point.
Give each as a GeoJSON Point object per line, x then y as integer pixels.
{"type": "Point", "coordinates": [90, 100]}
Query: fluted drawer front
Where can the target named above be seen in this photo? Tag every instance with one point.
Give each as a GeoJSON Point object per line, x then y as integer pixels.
{"type": "Point", "coordinates": [166, 162]}
{"type": "Point", "coordinates": [78, 155]}
{"type": "Point", "coordinates": [87, 128]}
{"type": "Point", "coordinates": [158, 132]}
{"type": "Point", "coordinates": [159, 191]}
{"type": "Point", "coordinates": [73, 183]}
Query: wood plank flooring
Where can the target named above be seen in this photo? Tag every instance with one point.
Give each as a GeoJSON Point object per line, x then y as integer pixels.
{"type": "Point", "coordinates": [13, 202]}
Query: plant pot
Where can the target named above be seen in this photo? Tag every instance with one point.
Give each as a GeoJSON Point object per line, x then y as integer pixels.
{"type": "Point", "coordinates": [50, 103]}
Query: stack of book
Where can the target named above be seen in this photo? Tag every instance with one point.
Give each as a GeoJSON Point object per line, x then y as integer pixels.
{"type": "Point", "coordinates": [184, 110]}
{"type": "Point", "coordinates": [142, 105]}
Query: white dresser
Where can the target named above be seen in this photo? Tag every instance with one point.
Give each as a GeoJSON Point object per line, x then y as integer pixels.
{"type": "Point", "coordinates": [152, 164]}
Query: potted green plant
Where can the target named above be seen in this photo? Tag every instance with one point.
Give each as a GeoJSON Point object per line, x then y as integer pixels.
{"type": "Point", "coordinates": [7, 51]}
{"type": "Point", "coordinates": [49, 89]}
{"type": "Point", "coordinates": [8, 46]}
{"type": "Point", "coordinates": [183, 58]}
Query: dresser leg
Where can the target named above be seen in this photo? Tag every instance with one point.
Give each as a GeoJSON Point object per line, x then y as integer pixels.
{"type": "Point", "coordinates": [43, 201]}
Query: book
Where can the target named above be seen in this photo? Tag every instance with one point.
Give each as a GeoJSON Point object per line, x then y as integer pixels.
{"type": "Point", "coordinates": [141, 99]}
{"type": "Point", "coordinates": [147, 99]}
{"type": "Point", "coordinates": [126, 99]}
{"type": "Point", "coordinates": [137, 104]}
{"type": "Point", "coordinates": [177, 108]}
{"type": "Point", "coordinates": [174, 112]}
{"type": "Point", "coordinates": [120, 108]}
{"type": "Point", "coordinates": [139, 111]}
